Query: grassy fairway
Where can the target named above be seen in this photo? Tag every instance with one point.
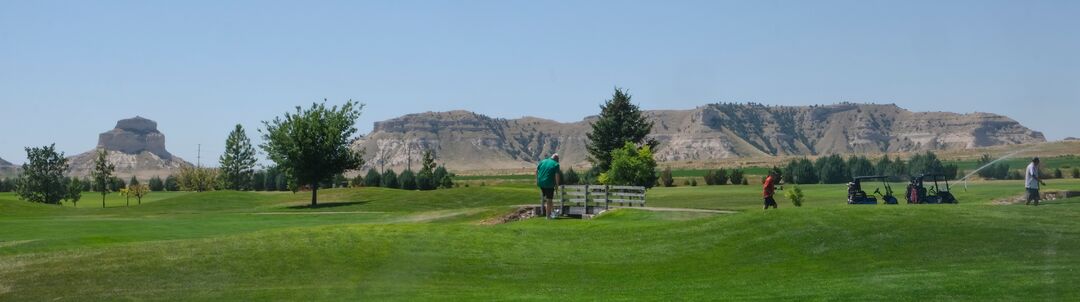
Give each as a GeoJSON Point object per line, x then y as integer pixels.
{"type": "Point", "coordinates": [397, 245]}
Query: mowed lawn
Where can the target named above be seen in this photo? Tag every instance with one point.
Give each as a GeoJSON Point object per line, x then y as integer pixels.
{"type": "Point", "coordinates": [380, 244]}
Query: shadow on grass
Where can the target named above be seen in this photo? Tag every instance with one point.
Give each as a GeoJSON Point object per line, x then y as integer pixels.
{"type": "Point", "coordinates": [323, 205]}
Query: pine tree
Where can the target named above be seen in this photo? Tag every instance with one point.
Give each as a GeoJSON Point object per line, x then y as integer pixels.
{"type": "Point", "coordinates": [156, 184]}
{"type": "Point", "coordinates": [620, 122]}
{"type": "Point", "coordinates": [425, 180]}
{"type": "Point", "coordinates": [372, 179]}
{"type": "Point", "coordinates": [238, 161]}
{"type": "Point", "coordinates": [407, 179]}
{"type": "Point", "coordinates": [102, 174]}
{"type": "Point", "coordinates": [389, 179]}
{"type": "Point", "coordinates": [172, 184]}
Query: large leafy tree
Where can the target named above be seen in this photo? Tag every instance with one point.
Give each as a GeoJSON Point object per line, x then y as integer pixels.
{"type": "Point", "coordinates": [238, 161]}
{"type": "Point", "coordinates": [42, 179]}
{"type": "Point", "coordinates": [102, 174]}
{"type": "Point", "coordinates": [73, 191]}
{"type": "Point", "coordinates": [631, 165]}
{"type": "Point", "coordinates": [312, 145]}
{"type": "Point", "coordinates": [620, 122]}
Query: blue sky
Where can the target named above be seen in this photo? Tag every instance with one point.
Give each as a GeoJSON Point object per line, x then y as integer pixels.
{"type": "Point", "coordinates": [70, 69]}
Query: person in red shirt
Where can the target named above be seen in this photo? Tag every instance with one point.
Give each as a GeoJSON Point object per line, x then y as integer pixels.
{"type": "Point", "coordinates": [769, 189]}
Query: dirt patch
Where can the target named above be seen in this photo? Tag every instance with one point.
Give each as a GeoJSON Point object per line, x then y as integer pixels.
{"type": "Point", "coordinates": [521, 213]}
{"type": "Point", "coordinates": [1046, 195]}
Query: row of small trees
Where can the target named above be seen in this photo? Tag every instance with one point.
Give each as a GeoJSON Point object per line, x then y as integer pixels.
{"type": "Point", "coordinates": [834, 169]}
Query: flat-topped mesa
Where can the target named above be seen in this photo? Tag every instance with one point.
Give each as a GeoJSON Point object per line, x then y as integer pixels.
{"type": "Point", "coordinates": [133, 136]}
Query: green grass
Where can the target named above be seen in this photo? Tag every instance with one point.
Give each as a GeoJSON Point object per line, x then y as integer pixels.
{"type": "Point", "coordinates": [380, 244]}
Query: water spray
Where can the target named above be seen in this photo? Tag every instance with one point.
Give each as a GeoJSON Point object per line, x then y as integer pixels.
{"type": "Point", "coordinates": [1006, 156]}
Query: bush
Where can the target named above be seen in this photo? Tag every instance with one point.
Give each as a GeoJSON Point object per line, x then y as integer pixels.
{"type": "Point", "coordinates": [801, 171]}
{"type": "Point", "coordinates": [172, 184]}
{"type": "Point", "coordinates": [389, 179]}
{"type": "Point", "coordinates": [665, 177]}
{"type": "Point", "coordinates": [832, 169]}
{"type": "Point", "coordinates": [570, 177]}
{"type": "Point", "coordinates": [737, 177]}
{"type": "Point", "coordinates": [1076, 172]}
{"type": "Point", "coordinates": [156, 184]}
{"type": "Point", "coordinates": [372, 179]}
{"type": "Point", "coordinates": [197, 179]}
{"type": "Point", "coordinates": [631, 165]}
{"type": "Point", "coordinates": [1057, 173]}
{"type": "Point", "coordinates": [693, 182]}
{"type": "Point", "coordinates": [745, 182]}
{"type": "Point", "coordinates": [995, 171]}
{"type": "Point", "coordinates": [407, 179]}
{"type": "Point", "coordinates": [860, 166]}
{"type": "Point", "coordinates": [1014, 174]}
{"type": "Point", "coordinates": [717, 177]}
{"type": "Point", "coordinates": [794, 194]}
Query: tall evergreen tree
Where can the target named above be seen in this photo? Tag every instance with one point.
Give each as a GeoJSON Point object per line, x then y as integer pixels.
{"type": "Point", "coordinates": [42, 179]}
{"type": "Point", "coordinates": [172, 184]}
{"type": "Point", "coordinates": [156, 184]}
{"type": "Point", "coordinates": [407, 180]}
{"type": "Point", "coordinates": [102, 174]}
{"type": "Point", "coordinates": [238, 161]}
{"type": "Point", "coordinates": [620, 122]}
{"type": "Point", "coordinates": [425, 179]}
{"type": "Point", "coordinates": [389, 179]}
{"type": "Point", "coordinates": [372, 179]}
{"type": "Point", "coordinates": [313, 145]}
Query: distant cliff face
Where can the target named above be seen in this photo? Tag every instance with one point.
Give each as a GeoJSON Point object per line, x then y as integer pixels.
{"type": "Point", "coordinates": [465, 140]}
{"type": "Point", "coordinates": [135, 146]}
{"type": "Point", "coordinates": [7, 169]}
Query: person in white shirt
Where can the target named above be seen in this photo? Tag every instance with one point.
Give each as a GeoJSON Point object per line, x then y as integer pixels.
{"type": "Point", "coordinates": [1032, 181]}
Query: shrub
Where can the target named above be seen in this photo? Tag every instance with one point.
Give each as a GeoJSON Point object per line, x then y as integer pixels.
{"type": "Point", "coordinates": [372, 179]}
{"type": "Point", "coordinates": [1057, 173]}
{"type": "Point", "coordinates": [801, 171]}
{"type": "Point", "coordinates": [693, 182]}
{"type": "Point", "coordinates": [832, 169]}
{"type": "Point", "coordinates": [1076, 172]}
{"type": "Point", "coordinates": [570, 177]}
{"type": "Point", "coordinates": [737, 177]}
{"type": "Point", "coordinates": [407, 180]}
{"type": "Point", "coordinates": [794, 194]}
{"type": "Point", "coordinates": [631, 165]}
{"type": "Point", "coordinates": [665, 177]}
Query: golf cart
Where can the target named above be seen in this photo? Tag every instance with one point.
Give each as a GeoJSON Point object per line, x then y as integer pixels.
{"type": "Point", "coordinates": [920, 190]}
{"type": "Point", "coordinates": [856, 195]}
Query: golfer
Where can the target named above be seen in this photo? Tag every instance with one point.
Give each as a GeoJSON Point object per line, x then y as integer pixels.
{"type": "Point", "coordinates": [1032, 181]}
{"type": "Point", "coordinates": [547, 178]}
{"type": "Point", "coordinates": [769, 189]}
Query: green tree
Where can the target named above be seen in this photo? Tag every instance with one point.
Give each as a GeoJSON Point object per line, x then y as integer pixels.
{"type": "Point", "coordinates": [156, 184]}
{"type": "Point", "coordinates": [795, 194]}
{"type": "Point", "coordinates": [258, 181]}
{"type": "Point", "coordinates": [372, 179]}
{"type": "Point", "coordinates": [440, 173]}
{"type": "Point", "coordinates": [620, 121]}
{"type": "Point", "coordinates": [74, 191]}
{"type": "Point", "coordinates": [139, 191]}
{"type": "Point", "coordinates": [425, 179]}
{"type": "Point", "coordinates": [198, 179]}
{"type": "Point", "coordinates": [447, 181]}
{"type": "Point", "coordinates": [1076, 173]}
{"type": "Point", "coordinates": [801, 171]}
{"type": "Point", "coordinates": [737, 176]}
{"type": "Point", "coordinates": [631, 165]}
{"type": "Point", "coordinates": [238, 161]}
{"type": "Point", "coordinates": [860, 166]}
{"type": "Point", "coordinates": [133, 181]}
{"type": "Point", "coordinates": [102, 174]}
{"type": "Point", "coordinates": [42, 179]}
{"type": "Point", "coordinates": [571, 177]}
{"type": "Point", "coordinates": [882, 166]}
{"type": "Point", "coordinates": [665, 177]}
{"type": "Point", "coordinates": [357, 181]}
{"type": "Point", "coordinates": [389, 179]}
{"type": "Point", "coordinates": [313, 145]}
{"type": "Point", "coordinates": [832, 169]}
{"type": "Point", "coordinates": [898, 170]}
{"type": "Point", "coordinates": [115, 184]}
{"type": "Point", "coordinates": [407, 179]}
{"type": "Point", "coordinates": [992, 171]}
{"type": "Point", "coordinates": [172, 184]}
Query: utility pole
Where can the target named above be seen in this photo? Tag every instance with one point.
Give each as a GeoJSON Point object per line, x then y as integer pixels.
{"type": "Point", "coordinates": [198, 158]}
{"type": "Point", "coordinates": [408, 157]}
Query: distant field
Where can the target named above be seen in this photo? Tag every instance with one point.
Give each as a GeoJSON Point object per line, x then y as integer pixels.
{"type": "Point", "coordinates": [382, 244]}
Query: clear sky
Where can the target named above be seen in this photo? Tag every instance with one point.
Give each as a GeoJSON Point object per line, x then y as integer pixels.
{"type": "Point", "coordinates": [70, 69]}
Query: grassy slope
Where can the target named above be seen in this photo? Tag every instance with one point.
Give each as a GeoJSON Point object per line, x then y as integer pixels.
{"type": "Point", "coordinates": [396, 245]}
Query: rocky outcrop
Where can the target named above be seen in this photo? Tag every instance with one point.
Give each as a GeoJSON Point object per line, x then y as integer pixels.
{"type": "Point", "coordinates": [470, 141]}
{"type": "Point", "coordinates": [7, 169]}
{"type": "Point", "coordinates": [135, 146]}
{"type": "Point", "coordinates": [133, 136]}
{"type": "Point", "coordinates": [4, 163]}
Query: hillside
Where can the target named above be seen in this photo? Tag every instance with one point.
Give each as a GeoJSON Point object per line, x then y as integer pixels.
{"type": "Point", "coordinates": [135, 146]}
{"type": "Point", "coordinates": [470, 141]}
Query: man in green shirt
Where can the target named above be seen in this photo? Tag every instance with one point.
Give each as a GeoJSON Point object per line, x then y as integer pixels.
{"type": "Point", "coordinates": [547, 178]}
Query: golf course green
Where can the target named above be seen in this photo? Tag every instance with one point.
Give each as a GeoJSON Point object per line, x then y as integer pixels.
{"type": "Point", "coordinates": [384, 244]}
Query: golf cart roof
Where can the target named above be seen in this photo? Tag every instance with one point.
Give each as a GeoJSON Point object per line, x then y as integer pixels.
{"type": "Point", "coordinates": [871, 177]}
